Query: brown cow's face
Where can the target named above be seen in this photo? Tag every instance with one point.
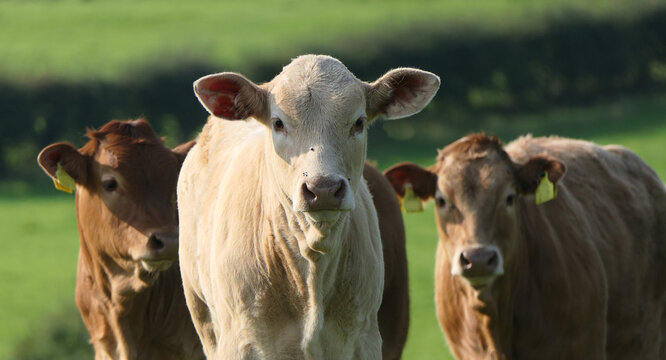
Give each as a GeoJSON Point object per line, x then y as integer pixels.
{"type": "Point", "coordinates": [476, 188]}
{"type": "Point", "coordinates": [126, 195]}
{"type": "Point", "coordinates": [317, 113]}
{"type": "Point", "coordinates": [475, 203]}
{"type": "Point", "coordinates": [138, 192]}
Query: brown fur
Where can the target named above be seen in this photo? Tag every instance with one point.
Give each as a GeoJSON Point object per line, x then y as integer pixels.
{"type": "Point", "coordinates": [393, 313]}
{"type": "Point", "coordinates": [583, 273]}
{"type": "Point", "coordinates": [131, 311]}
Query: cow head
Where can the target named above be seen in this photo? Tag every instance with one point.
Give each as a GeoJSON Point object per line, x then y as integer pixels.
{"type": "Point", "coordinates": [476, 187]}
{"type": "Point", "coordinates": [318, 114]}
{"type": "Point", "coordinates": [126, 185]}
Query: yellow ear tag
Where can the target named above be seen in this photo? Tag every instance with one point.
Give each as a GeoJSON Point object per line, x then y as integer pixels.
{"type": "Point", "coordinates": [410, 202]}
{"type": "Point", "coordinates": [546, 190]}
{"type": "Point", "coordinates": [63, 181]}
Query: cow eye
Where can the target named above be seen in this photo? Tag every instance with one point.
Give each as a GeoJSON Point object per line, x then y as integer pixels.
{"type": "Point", "coordinates": [510, 200]}
{"type": "Point", "coordinates": [110, 185]}
{"type": "Point", "coordinates": [441, 202]}
{"type": "Point", "coordinates": [278, 125]}
{"type": "Point", "coordinates": [358, 126]}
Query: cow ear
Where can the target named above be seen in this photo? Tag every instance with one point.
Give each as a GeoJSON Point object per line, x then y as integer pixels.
{"type": "Point", "coordinates": [424, 182]}
{"type": "Point", "coordinates": [231, 96]}
{"type": "Point", "coordinates": [529, 175]}
{"type": "Point", "coordinates": [69, 158]}
{"type": "Point", "coordinates": [184, 148]}
{"type": "Point", "coordinates": [401, 92]}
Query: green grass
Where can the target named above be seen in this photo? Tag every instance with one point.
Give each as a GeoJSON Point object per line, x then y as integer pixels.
{"type": "Point", "coordinates": [114, 39]}
{"type": "Point", "coordinates": [37, 264]}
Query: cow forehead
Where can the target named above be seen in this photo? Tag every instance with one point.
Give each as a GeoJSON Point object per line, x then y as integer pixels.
{"type": "Point", "coordinates": [470, 178]}
{"type": "Point", "coordinates": [313, 86]}
{"type": "Point", "coordinates": [140, 164]}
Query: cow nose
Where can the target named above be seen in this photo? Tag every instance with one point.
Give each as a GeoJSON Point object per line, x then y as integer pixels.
{"type": "Point", "coordinates": [480, 261]}
{"type": "Point", "coordinates": [163, 245]}
{"type": "Point", "coordinates": [324, 193]}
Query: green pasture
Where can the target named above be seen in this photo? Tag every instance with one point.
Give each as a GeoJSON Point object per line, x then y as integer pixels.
{"type": "Point", "coordinates": [117, 39]}
{"type": "Point", "coordinates": [40, 239]}
{"type": "Point", "coordinates": [122, 43]}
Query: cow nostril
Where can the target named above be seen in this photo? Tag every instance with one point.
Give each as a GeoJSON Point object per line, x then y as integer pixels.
{"type": "Point", "coordinates": [464, 262]}
{"type": "Point", "coordinates": [308, 195]}
{"type": "Point", "coordinates": [493, 261]}
{"type": "Point", "coordinates": [340, 192]}
{"type": "Point", "coordinates": [154, 243]}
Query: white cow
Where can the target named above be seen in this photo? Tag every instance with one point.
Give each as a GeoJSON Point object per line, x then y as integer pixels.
{"type": "Point", "coordinates": [279, 243]}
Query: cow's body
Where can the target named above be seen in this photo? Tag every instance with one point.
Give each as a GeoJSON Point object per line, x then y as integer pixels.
{"type": "Point", "coordinates": [271, 299]}
{"type": "Point", "coordinates": [582, 275]}
{"type": "Point", "coordinates": [393, 315]}
{"type": "Point", "coordinates": [128, 292]}
{"type": "Point", "coordinates": [280, 250]}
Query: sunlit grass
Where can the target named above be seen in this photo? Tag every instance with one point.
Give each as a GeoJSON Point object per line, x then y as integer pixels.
{"type": "Point", "coordinates": [40, 244]}
{"type": "Point", "coordinates": [116, 39]}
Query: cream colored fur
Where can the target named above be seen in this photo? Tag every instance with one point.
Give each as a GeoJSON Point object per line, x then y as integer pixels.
{"type": "Point", "coordinates": [264, 277]}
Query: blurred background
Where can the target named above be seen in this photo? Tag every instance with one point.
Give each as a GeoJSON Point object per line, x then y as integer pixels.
{"type": "Point", "coordinates": [593, 70]}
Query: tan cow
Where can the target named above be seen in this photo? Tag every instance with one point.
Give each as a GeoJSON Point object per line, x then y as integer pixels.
{"type": "Point", "coordinates": [578, 277]}
{"type": "Point", "coordinates": [128, 288]}
{"type": "Point", "coordinates": [280, 250]}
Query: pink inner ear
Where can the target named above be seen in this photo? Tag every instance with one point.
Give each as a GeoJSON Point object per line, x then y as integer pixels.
{"type": "Point", "coordinates": [219, 95]}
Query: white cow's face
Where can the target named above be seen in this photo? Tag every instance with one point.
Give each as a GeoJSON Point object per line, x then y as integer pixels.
{"type": "Point", "coordinates": [318, 113]}
{"type": "Point", "coordinates": [318, 121]}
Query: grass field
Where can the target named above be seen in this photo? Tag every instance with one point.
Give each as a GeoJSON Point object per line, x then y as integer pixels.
{"type": "Point", "coordinates": [116, 39]}
{"type": "Point", "coordinates": [40, 238]}
{"type": "Point", "coordinates": [76, 41]}
{"type": "Point", "coordinates": [37, 265]}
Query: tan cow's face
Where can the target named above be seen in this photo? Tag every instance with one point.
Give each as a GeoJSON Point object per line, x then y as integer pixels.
{"type": "Point", "coordinates": [476, 187]}
{"type": "Point", "coordinates": [126, 182]}
{"type": "Point", "coordinates": [318, 113]}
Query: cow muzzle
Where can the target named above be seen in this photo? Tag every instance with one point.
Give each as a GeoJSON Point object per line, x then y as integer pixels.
{"type": "Point", "coordinates": [479, 265]}
{"type": "Point", "coordinates": [329, 193]}
{"type": "Point", "coordinates": [161, 251]}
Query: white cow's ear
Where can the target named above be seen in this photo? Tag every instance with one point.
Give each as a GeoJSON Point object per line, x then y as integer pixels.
{"type": "Point", "coordinates": [401, 92]}
{"type": "Point", "coordinates": [231, 96]}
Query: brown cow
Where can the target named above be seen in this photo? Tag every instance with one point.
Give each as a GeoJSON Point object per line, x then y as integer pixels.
{"type": "Point", "coordinates": [393, 315]}
{"type": "Point", "coordinates": [577, 277]}
{"type": "Point", "coordinates": [128, 289]}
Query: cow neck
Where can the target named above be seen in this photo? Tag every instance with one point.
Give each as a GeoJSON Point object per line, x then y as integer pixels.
{"type": "Point", "coordinates": [120, 303]}
{"type": "Point", "coordinates": [501, 301]}
{"type": "Point", "coordinates": [487, 315]}
{"type": "Point", "coordinates": [312, 273]}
